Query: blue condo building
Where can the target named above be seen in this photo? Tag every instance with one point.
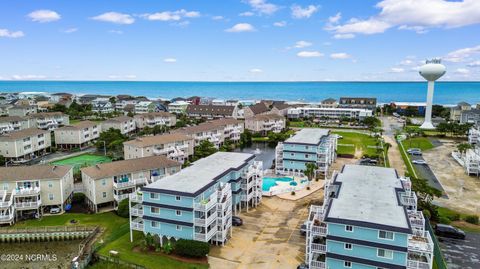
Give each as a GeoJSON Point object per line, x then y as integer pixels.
{"type": "Point", "coordinates": [309, 145]}
{"type": "Point", "coordinates": [198, 202]}
{"type": "Point", "coordinates": [368, 220]}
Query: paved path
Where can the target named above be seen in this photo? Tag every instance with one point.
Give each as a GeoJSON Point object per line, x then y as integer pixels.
{"type": "Point", "coordinates": [464, 254]}
{"type": "Point", "coordinates": [390, 124]}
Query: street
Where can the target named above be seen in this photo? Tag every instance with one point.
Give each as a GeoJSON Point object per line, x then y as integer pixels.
{"type": "Point", "coordinates": [463, 254]}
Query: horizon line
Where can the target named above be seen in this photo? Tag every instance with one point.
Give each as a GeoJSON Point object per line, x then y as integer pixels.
{"type": "Point", "coordinates": [241, 81]}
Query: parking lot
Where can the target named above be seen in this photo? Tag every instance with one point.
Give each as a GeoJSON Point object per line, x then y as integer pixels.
{"type": "Point", "coordinates": [461, 253]}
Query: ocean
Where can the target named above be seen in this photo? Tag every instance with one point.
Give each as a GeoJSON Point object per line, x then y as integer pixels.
{"type": "Point", "coordinates": [446, 93]}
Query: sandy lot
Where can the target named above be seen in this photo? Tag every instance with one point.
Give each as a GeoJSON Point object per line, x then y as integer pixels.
{"type": "Point", "coordinates": [463, 190]}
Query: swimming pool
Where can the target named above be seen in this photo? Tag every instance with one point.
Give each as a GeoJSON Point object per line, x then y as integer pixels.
{"type": "Point", "coordinates": [269, 182]}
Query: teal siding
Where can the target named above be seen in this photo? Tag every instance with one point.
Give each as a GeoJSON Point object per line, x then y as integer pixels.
{"type": "Point", "coordinates": [365, 234]}
{"type": "Point", "coordinates": [339, 264]}
{"type": "Point", "coordinates": [364, 252]}
{"type": "Point", "coordinates": [169, 230]}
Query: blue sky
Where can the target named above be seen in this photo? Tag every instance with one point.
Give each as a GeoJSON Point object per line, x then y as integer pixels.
{"type": "Point", "coordinates": [237, 40]}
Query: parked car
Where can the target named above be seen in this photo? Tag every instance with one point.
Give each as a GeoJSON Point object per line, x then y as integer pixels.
{"type": "Point", "coordinates": [413, 149]}
{"type": "Point", "coordinates": [303, 228]}
{"type": "Point", "coordinates": [449, 231]}
{"type": "Point", "coordinates": [302, 266]}
{"type": "Point", "coordinates": [419, 162]}
{"type": "Point", "coordinates": [237, 221]}
{"type": "Point", "coordinates": [55, 210]}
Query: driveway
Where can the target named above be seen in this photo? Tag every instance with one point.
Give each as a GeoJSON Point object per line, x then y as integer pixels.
{"type": "Point", "coordinates": [424, 171]}
{"type": "Point", "coordinates": [390, 125]}
{"type": "Point", "coordinates": [463, 254]}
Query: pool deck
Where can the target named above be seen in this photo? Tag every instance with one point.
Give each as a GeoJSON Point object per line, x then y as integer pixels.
{"type": "Point", "coordinates": [315, 186]}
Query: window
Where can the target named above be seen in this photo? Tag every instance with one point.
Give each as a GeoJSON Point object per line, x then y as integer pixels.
{"type": "Point", "coordinates": [154, 196]}
{"type": "Point", "coordinates": [306, 156]}
{"type": "Point", "coordinates": [154, 210]}
{"type": "Point", "coordinates": [385, 253]}
{"type": "Point", "coordinates": [385, 235]}
{"type": "Point", "coordinates": [178, 198]}
{"type": "Point", "coordinates": [179, 228]}
{"type": "Point", "coordinates": [347, 264]}
{"type": "Point", "coordinates": [50, 184]}
{"type": "Point", "coordinates": [306, 147]}
{"type": "Point", "coordinates": [154, 224]}
{"type": "Point", "coordinates": [348, 246]}
{"type": "Point", "coordinates": [50, 196]}
{"type": "Point", "coordinates": [292, 154]}
{"type": "Point", "coordinates": [104, 182]}
{"type": "Point", "coordinates": [348, 228]}
{"type": "Point", "coordinates": [104, 194]}
{"type": "Point", "coordinates": [5, 186]}
{"type": "Point", "coordinates": [178, 213]}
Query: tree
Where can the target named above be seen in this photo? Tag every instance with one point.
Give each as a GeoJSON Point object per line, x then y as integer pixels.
{"type": "Point", "coordinates": [310, 171]}
{"type": "Point", "coordinates": [2, 160]}
{"type": "Point", "coordinates": [123, 209]}
{"type": "Point", "coordinates": [59, 108]}
{"type": "Point", "coordinates": [387, 146]}
{"type": "Point", "coordinates": [463, 147]}
{"type": "Point", "coordinates": [113, 101]}
{"type": "Point", "coordinates": [371, 122]}
{"type": "Point", "coordinates": [113, 139]}
{"type": "Point", "coordinates": [245, 138]}
{"type": "Point", "coordinates": [227, 145]}
{"type": "Point", "coordinates": [204, 149]}
{"type": "Point", "coordinates": [426, 194]}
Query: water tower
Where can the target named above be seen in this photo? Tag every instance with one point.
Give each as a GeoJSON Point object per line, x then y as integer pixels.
{"type": "Point", "coordinates": [432, 70]}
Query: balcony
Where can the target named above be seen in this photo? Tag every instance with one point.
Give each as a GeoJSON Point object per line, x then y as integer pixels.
{"type": "Point", "coordinates": [137, 224]}
{"type": "Point", "coordinates": [420, 244]}
{"type": "Point", "coordinates": [247, 197]}
{"type": "Point", "coordinates": [206, 204]}
{"type": "Point", "coordinates": [6, 218]}
{"type": "Point", "coordinates": [206, 237]}
{"type": "Point", "coordinates": [135, 197]}
{"type": "Point", "coordinates": [413, 264]}
{"type": "Point", "coordinates": [28, 205]}
{"type": "Point", "coordinates": [409, 199]}
{"type": "Point", "coordinates": [137, 210]}
{"type": "Point", "coordinates": [125, 184]}
{"type": "Point", "coordinates": [317, 265]}
{"type": "Point", "coordinates": [318, 230]}
{"type": "Point", "coordinates": [26, 191]}
{"type": "Point", "coordinates": [318, 248]}
{"type": "Point", "coordinates": [205, 222]}
{"type": "Point", "coordinates": [120, 197]}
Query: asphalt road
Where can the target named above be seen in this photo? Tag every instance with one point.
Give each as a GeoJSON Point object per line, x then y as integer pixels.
{"type": "Point", "coordinates": [424, 171]}
{"type": "Point", "coordinates": [463, 254]}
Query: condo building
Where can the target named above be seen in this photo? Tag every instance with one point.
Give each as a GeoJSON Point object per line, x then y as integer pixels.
{"type": "Point", "coordinates": [471, 116]}
{"type": "Point", "coordinates": [13, 123]}
{"type": "Point", "coordinates": [125, 124]}
{"type": "Point", "coordinates": [49, 120]}
{"type": "Point", "coordinates": [22, 110]}
{"type": "Point", "coordinates": [309, 145]}
{"type": "Point", "coordinates": [31, 191]}
{"type": "Point", "coordinates": [213, 111]}
{"type": "Point", "coordinates": [265, 123]}
{"type": "Point", "coordinates": [77, 135]}
{"type": "Point", "coordinates": [198, 202]}
{"type": "Point", "coordinates": [369, 219]}
{"type": "Point", "coordinates": [24, 145]}
{"type": "Point", "coordinates": [215, 131]}
{"type": "Point", "coordinates": [153, 119]}
{"type": "Point", "coordinates": [107, 184]}
{"type": "Point", "coordinates": [178, 107]}
{"type": "Point", "coordinates": [175, 146]}
{"type": "Point", "coordinates": [328, 113]}
{"type": "Point", "coordinates": [358, 102]}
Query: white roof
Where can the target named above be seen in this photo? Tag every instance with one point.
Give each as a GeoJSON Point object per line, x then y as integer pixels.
{"type": "Point", "coordinates": [368, 194]}
{"type": "Point", "coordinates": [308, 136]}
{"type": "Point", "coordinates": [201, 172]}
{"type": "Point", "coordinates": [410, 103]}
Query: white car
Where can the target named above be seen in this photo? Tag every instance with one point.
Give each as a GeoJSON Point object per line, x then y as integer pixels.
{"type": "Point", "coordinates": [419, 162]}
{"type": "Point", "coordinates": [55, 210]}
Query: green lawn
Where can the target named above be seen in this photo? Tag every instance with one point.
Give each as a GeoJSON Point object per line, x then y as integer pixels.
{"type": "Point", "coordinates": [422, 143]}
{"type": "Point", "coordinates": [83, 160]}
{"type": "Point", "coordinates": [116, 237]}
{"type": "Point", "coordinates": [359, 140]}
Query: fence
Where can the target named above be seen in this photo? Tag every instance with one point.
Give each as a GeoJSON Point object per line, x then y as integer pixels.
{"type": "Point", "coordinates": [438, 258]}
{"type": "Point", "coordinates": [116, 260]}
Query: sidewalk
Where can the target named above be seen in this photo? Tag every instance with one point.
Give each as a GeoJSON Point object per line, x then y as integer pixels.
{"type": "Point", "coordinates": [315, 186]}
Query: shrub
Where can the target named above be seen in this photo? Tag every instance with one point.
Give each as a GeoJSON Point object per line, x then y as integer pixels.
{"type": "Point", "coordinates": [293, 192]}
{"type": "Point", "coordinates": [167, 248]}
{"type": "Point", "coordinates": [426, 213]}
{"type": "Point", "coordinates": [123, 209]}
{"type": "Point", "coordinates": [454, 217]}
{"type": "Point", "coordinates": [473, 219]}
{"type": "Point", "coordinates": [444, 220]}
{"type": "Point", "coordinates": [191, 248]}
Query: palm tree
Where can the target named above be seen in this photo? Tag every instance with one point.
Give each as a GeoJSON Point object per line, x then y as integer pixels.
{"type": "Point", "coordinates": [310, 171]}
{"type": "Point", "coordinates": [387, 146]}
{"type": "Point", "coordinates": [463, 147]}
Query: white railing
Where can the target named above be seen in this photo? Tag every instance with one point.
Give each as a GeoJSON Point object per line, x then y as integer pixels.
{"type": "Point", "coordinates": [206, 204]}
{"type": "Point", "coordinates": [136, 225]}
{"type": "Point", "coordinates": [120, 197]}
{"type": "Point", "coordinates": [28, 205]}
{"type": "Point", "coordinates": [4, 218]}
{"type": "Point", "coordinates": [135, 197]}
{"type": "Point", "coordinates": [423, 244]}
{"type": "Point", "coordinates": [412, 264]}
{"type": "Point", "coordinates": [6, 204]}
{"type": "Point", "coordinates": [119, 185]}
{"type": "Point", "coordinates": [317, 265]}
{"type": "Point", "coordinates": [319, 230]}
{"type": "Point", "coordinates": [137, 210]}
{"type": "Point", "coordinates": [319, 248]}
{"type": "Point", "coordinates": [26, 192]}
{"type": "Point", "coordinates": [205, 222]}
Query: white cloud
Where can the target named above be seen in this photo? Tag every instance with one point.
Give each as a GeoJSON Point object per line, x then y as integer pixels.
{"type": "Point", "coordinates": [122, 76]}
{"type": "Point", "coordinates": [9, 34]}
{"type": "Point", "coordinates": [406, 62]}
{"type": "Point", "coordinates": [217, 18]}
{"type": "Point", "coordinates": [462, 71]}
{"type": "Point", "coordinates": [171, 15]}
{"type": "Point", "coordinates": [241, 27]}
{"type": "Point", "coordinates": [44, 15]}
{"type": "Point", "coordinates": [70, 30]}
{"type": "Point", "coordinates": [130, 76]}
{"type": "Point", "coordinates": [340, 56]}
{"type": "Point", "coordinates": [115, 17]}
{"type": "Point", "coordinates": [169, 60]}
{"type": "Point", "coordinates": [462, 55]}
{"type": "Point", "coordinates": [118, 32]}
{"type": "Point", "coordinates": [418, 15]}
{"type": "Point", "coordinates": [474, 64]}
{"type": "Point", "coordinates": [303, 13]}
{"type": "Point", "coordinates": [262, 6]}
{"type": "Point", "coordinates": [397, 70]}
{"type": "Point", "coordinates": [309, 54]}
{"type": "Point", "coordinates": [256, 70]}
{"type": "Point", "coordinates": [246, 14]}
{"type": "Point", "coordinates": [302, 44]}
{"type": "Point", "coordinates": [335, 19]}
{"type": "Point", "coordinates": [343, 36]}
{"type": "Point", "coordinates": [280, 24]}
{"type": "Point", "coordinates": [28, 77]}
